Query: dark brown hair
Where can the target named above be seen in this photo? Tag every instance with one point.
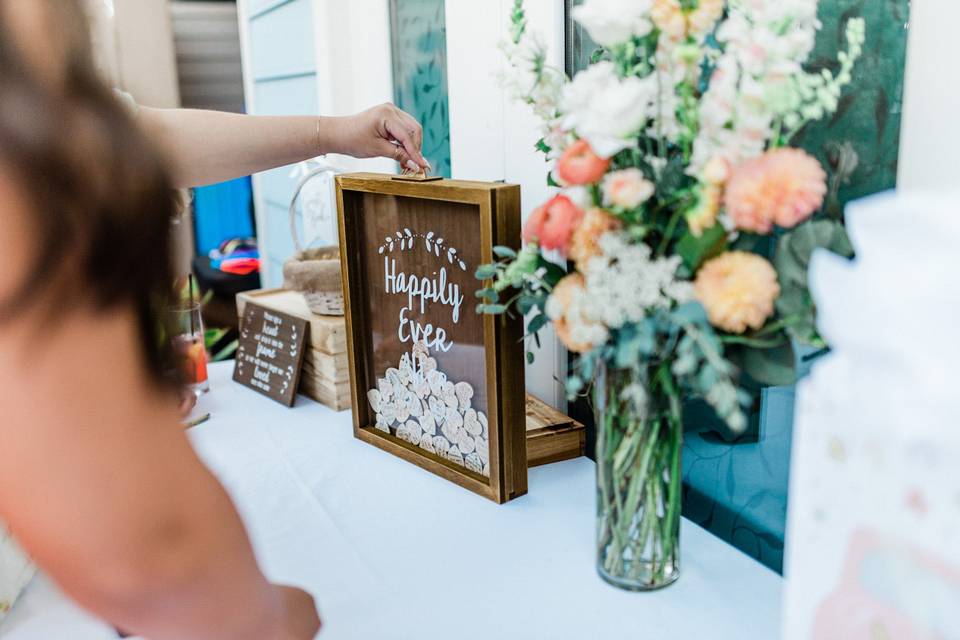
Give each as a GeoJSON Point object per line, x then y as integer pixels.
{"type": "Point", "coordinates": [101, 201]}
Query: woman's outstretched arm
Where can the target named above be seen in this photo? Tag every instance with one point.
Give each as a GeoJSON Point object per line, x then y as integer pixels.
{"type": "Point", "coordinates": [206, 147]}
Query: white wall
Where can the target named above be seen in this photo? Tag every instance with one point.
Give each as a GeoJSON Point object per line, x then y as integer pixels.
{"type": "Point", "coordinates": [492, 138]}
{"type": "Point", "coordinates": [931, 109]}
{"type": "Point", "coordinates": [354, 70]}
{"type": "Point", "coordinates": [145, 56]}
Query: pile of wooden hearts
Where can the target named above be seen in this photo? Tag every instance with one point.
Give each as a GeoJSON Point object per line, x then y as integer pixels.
{"type": "Point", "coordinates": [416, 403]}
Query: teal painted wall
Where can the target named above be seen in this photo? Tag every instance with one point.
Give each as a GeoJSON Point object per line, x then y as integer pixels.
{"type": "Point", "coordinates": [419, 43]}
{"type": "Point", "coordinates": [283, 65]}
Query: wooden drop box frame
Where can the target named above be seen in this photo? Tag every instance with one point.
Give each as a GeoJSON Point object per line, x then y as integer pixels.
{"type": "Point", "coordinates": [498, 207]}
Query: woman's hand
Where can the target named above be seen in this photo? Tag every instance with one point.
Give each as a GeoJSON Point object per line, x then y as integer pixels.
{"type": "Point", "coordinates": [383, 131]}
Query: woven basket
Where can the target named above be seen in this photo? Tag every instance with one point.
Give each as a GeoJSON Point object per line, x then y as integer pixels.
{"type": "Point", "coordinates": [314, 272]}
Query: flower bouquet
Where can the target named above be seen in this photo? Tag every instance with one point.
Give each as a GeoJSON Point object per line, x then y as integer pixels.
{"type": "Point", "coordinates": [684, 222]}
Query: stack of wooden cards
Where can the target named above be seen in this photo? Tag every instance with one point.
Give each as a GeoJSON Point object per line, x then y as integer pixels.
{"type": "Point", "coordinates": [325, 376]}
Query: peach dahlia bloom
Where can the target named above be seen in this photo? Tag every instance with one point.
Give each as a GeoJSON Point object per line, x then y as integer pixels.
{"type": "Point", "coordinates": [738, 290]}
{"type": "Point", "coordinates": [782, 187]}
{"type": "Point", "coordinates": [565, 308]}
{"type": "Point", "coordinates": [585, 242]}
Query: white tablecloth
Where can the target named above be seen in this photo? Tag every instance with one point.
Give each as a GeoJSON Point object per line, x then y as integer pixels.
{"type": "Point", "coordinates": [393, 552]}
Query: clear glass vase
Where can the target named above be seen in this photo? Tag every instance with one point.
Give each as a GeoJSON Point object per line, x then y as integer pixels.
{"type": "Point", "coordinates": [639, 437]}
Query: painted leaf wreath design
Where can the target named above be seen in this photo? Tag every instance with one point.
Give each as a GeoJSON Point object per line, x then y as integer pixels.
{"type": "Point", "coordinates": [406, 240]}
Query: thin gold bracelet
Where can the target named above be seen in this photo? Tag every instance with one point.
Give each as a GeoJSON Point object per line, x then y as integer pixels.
{"type": "Point", "coordinates": [319, 139]}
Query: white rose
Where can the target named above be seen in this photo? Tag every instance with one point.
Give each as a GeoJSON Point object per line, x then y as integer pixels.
{"type": "Point", "coordinates": [586, 85]}
{"type": "Point", "coordinates": [579, 196]}
{"type": "Point", "coordinates": [735, 29]}
{"type": "Point", "coordinates": [558, 140]}
{"type": "Point", "coordinates": [612, 22]}
{"type": "Point", "coordinates": [607, 111]}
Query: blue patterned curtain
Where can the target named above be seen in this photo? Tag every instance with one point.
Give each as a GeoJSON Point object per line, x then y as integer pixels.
{"type": "Point", "coordinates": [419, 41]}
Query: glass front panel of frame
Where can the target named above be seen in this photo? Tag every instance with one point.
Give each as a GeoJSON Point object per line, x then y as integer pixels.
{"type": "Point", "coordinates": [426, 360]}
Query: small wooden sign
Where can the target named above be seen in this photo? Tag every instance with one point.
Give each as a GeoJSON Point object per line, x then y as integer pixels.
{"type": "Point", "coordinates": [270, 355]}
{"type": "Point", "coordinates": [431, 380]}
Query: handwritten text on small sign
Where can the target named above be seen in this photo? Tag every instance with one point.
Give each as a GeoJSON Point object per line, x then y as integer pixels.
{"type": "Point", "coordinates": [271, 352]}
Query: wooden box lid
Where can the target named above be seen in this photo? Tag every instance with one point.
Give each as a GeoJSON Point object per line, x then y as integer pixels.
{"type": "Point", "coordinates": [551, 435]}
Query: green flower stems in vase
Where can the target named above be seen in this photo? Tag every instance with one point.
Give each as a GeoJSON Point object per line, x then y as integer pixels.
{"type": "Point", "coordinates": [638, 479]}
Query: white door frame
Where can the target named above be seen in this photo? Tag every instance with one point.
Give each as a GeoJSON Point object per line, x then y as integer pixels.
{"type": "Point", "coordinates": [930, 128]}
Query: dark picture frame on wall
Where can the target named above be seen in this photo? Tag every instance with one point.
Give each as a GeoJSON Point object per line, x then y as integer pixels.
{"type": "Point", "coordinates": [579, 46]}
{"type": "Point", "coordinates": [418, 39]}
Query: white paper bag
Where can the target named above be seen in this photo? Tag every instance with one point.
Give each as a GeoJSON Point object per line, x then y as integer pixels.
{"type": "Point", "coordinates": [873, 535]}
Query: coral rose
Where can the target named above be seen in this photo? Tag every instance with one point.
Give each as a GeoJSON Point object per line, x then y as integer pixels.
{"type": "Point", "coordinates": [783, 187]}
{"type": "Point", "coordinates": [738, 290]}
{"type": "Point", "coordinates": [628, 188]}
{"type": "Point", "coordinates": [580, 165]}
{"type": "Point", "coordinates": [585, 243]}
{"type": "Point", "coordinates": [565, 308]}
{"type": "Point", "coordinates": [553, 223]}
